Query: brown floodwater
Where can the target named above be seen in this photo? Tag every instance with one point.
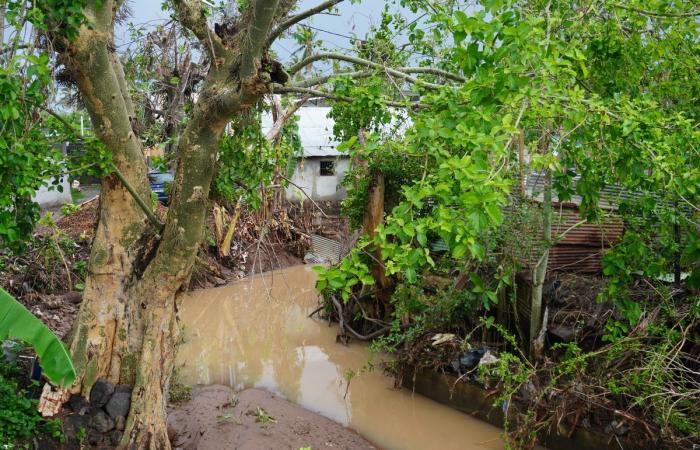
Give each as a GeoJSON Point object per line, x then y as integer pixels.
{"type": "Point", "coordinates": [256, 333]}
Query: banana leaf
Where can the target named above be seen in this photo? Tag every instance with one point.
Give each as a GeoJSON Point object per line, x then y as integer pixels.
{"type": "Point", "coordinates": [17, 322]}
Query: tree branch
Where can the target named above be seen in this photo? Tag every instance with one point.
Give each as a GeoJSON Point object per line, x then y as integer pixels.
{"type": "Point", "coordinates": [255, 41]}
{"type": "Point", "coordinates": [192, 18]}
{"type": "Point", "coordinates": [433, 71]}
{"type": "Point", "coordinates": [290, 21]}
{"type": "Point", "coordinates": [279, 89]}
{"type": "Point", "coordinates": [322, 79]}
{"type": "Point", "coordinates": [152, 219]}
{"type": "Point", "coordinates": [362, 62]}
{"type": "Point", "coordinates": [367, 73]}
{"type": "Point", "coordinates": [282, 119]}
{"type": "Point", "coordinates": [656, 14]}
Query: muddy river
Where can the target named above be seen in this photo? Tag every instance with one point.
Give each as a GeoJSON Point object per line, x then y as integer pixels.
{"type": "Point", "coordinates": [256, 333]}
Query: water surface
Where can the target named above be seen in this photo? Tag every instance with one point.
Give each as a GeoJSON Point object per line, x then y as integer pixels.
{"type": "Point", "coordinates": [256, 333]}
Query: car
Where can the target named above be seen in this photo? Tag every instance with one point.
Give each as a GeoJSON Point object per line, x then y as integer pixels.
{"type": "Point", "coordinates": [160, 184]}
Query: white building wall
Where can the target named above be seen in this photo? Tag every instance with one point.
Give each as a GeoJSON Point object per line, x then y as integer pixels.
{"type": "Point", "coordinates": [47, 198]}
{"type": "Point", "coordinates": [307, 176]}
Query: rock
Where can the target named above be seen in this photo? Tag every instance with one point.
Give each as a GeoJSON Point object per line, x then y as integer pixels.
{"type": "Point", "coordinates": [102, 422]}
{"type": "Point", "coordinates": [76, 403]}
{"type": "Point", "coordinates": [120, 423]}
{"type": "Point", "coordinates": [93, 437]}
{"type": "Point", "coordinates": [114, 437]}
{"type": "Point", "coordinates": [101, 391]}
{"type": "Point", "coordinates": [119, 404]}
{"type": "Point", "coordinates": [74, 423]}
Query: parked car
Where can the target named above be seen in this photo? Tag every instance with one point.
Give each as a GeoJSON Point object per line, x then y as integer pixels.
{"type": "Point", "coordinates": [160, 184]}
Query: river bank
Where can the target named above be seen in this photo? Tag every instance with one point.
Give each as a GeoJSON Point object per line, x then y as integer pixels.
{"type": "Point", "coordinates": [217, 417]}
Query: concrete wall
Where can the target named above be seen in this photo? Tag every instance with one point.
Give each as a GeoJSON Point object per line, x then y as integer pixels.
{"type": "Point", "coordinates": [307, 176]}
{"type": "Point", "coordinates": [47, 198]}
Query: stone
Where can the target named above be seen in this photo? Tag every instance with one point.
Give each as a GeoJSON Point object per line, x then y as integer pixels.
{"type": "Point", "coordinates": [114, 437]}
{"type": "Point", "coordinates": [76, 403]}
{"type": "Point", "coordinates": [118, 404]}
{"type": "Point", "coordinates": [120, 423]}
{"type": "Point", "coordinates": [93, 437]}
{"type": "Point", "coordinates": [74, 423]}
{"type": "Point", "coordinates": [102, 422]}
{"type": "Point", "coordinates": [101, 391]}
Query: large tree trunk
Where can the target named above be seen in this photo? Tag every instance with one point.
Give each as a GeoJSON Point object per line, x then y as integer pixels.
{"type": "Point", "coordinates": [127, 325]}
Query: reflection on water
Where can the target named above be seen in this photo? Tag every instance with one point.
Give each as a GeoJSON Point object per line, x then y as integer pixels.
{"type": "Point", "coordinates": [256, 333]}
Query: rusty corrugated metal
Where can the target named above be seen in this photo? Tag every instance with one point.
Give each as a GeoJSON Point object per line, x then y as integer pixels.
{"type": "Point", "coordinates": [581, 248]}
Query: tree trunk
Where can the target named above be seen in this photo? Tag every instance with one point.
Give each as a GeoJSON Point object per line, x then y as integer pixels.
{"type": "Point", "coordinates": [127, 325]}
{"type": "Point", "coordinates": [539, 273]}
{"type": "Point", "coordinates": [373, 217]}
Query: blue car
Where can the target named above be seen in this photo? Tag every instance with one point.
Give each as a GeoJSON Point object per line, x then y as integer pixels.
{"type": "Point", "coordinates": [160, 184]}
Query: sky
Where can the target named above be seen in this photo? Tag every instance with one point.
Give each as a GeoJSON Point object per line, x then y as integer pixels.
{"type": "Point", "coordinates": [334, 30]}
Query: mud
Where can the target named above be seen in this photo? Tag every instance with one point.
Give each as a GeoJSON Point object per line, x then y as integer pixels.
{"type": "Point", "coordinates": [218, 418]}
{"type": "Point", "coordinates": [256, 333]}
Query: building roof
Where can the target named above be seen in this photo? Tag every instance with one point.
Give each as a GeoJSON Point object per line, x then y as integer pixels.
{"type": "Point", "coordinates": [610, 195]}
{"type": "Point", "coordinates": [315, 130]}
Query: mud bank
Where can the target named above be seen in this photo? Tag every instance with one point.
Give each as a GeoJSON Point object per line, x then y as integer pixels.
{"type": "Point", "coordinates": [218, 418]}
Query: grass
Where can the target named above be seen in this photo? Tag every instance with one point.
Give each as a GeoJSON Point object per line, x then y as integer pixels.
{"type": "Point", "coordinates": [76, 195]}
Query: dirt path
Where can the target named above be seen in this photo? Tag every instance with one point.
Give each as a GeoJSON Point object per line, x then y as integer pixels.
{"type": "Point", "coordinates": [218, 418]}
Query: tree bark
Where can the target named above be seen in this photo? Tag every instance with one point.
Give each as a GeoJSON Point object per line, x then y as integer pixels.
{"type": "Point", "coordinates": [539, 272]}
{"type": "Point", "coordinates": [127, 325]}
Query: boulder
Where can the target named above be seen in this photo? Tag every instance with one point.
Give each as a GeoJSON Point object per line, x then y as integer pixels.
{"type": "Point", "coordinates": [76, 403]}
{"type": "Point", "coordinates": [118, 404]}
{"type": "Point", "coordinates": [102, 422]}
{"type": "Point", "coordinates": [120, 423]}
{"type": "Point", "coordinates": [101, 392]}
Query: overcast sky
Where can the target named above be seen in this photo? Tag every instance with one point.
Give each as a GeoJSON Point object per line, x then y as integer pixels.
{"type": "Point", "coordinates": [334, 30]}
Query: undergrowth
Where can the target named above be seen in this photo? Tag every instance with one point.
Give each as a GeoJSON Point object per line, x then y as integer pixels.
{"type": "Point", "coordinates": [19, 419]}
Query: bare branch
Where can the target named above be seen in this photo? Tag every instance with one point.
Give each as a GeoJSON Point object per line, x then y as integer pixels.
{"type": "Point", "coordinates": [255, 41]}
{"type": "Point", "coordinates": [290, 21]}
{"type": "Point", "coordinates": [323, 79]}
{"type": "Point", "coordinates": [279, 89]}
{"type": "Point", "coordinates": [362, 62]}
{"type": "Point", "coordinates": [192, 18]}
{"type": "Point", "coordinates": [433, 71]}
{"type": "Point", "coordinates": [367, 73]}
{"type": "Point", "coordinates": [276, 129]}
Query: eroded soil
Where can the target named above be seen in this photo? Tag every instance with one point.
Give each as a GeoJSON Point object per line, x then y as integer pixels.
{"type": "Point", "coordinates": [217, 418]}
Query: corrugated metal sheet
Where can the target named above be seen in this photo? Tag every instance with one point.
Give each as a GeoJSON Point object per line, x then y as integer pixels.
{"type": "Point", "coordinates": [578, 248]}
{"type": "Point", "coordinates": [588, 234]}
{"type": "Point", "coordinates": [610, 195]}
{"type": "Point", "coordinates": [327, 249]}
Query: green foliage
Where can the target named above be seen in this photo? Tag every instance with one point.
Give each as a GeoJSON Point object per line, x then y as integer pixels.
{"type": "Point", "coordinates": [248, 161]}
{"type": "Point", "coordinates": [27, 160]}
{"type": "Point", "coordinates": [17, 322]}
{"type": "Point", "coordinates": [63, 17]}
{"type": "Point", "coordinates": [19, 418]}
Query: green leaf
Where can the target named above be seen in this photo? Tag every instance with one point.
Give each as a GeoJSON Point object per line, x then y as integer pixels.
{"type": "Point", "coordinates": [18, 323]}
